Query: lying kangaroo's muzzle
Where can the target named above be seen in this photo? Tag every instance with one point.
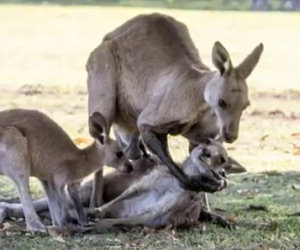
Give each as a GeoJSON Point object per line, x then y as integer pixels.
{"type": "Point", "coordinates": [211, 181]}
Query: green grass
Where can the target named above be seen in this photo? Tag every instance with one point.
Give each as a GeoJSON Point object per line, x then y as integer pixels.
{"type": "Point", "coordinates": [42, 59]}
{"type": "Point", "coordinates": [277, 228]}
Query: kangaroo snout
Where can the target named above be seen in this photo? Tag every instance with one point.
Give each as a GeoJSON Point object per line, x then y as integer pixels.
{"type": "Point", "coordinates": [230, 131]}
{"type": "Point", "coordinates": [230, 138]}
{"type": "Point", "coordinates": [127, 168]}
{"type": "Point", "coordinates": [229, 135]}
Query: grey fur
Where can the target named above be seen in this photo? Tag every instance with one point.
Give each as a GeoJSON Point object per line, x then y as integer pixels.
{"type": "Point", "coordinates": [31, 144]}
{"type": "Point", "coordinates": [157, 199]}
{"type": "Point", "coordinates": [146, 77]}
{"type": "Point", "coordinates": [116, 183]}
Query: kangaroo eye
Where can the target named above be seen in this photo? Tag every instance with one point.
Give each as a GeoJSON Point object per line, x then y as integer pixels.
{"type": "Point", "coordinates": [222, 104]}
{"type": "Point", "coordinates": [222, 160]}
{"type": "Point", "coordinates": [206, 153]}
{"type": "Point", "coordinates": [119, 154]}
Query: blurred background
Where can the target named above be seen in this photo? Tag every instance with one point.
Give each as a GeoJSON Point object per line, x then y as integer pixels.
{"type": "Point", "coordinates": [45, 45]}
{"type": "Point", "coordinates": [287, 5]}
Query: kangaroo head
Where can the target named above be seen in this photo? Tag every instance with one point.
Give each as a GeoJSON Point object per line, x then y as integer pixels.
{"type": "Point", "coordinates": [115, 157]}
{"type": "Point", "coordinates": [227, 91]}
{"type": "Point", "coordinates": [209, 155]}
{"type": "Point", "coordinates": [113, 154]}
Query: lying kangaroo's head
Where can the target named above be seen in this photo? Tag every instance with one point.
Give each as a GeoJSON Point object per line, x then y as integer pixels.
{"type": "Point", "coordinates": [210, 154]}
{"type": "Point", "coordinates": [113, 154]}
{"type": "Point", "coordinates": [208, 157]}
{"type": "Point", "coordinates": [227, 92]}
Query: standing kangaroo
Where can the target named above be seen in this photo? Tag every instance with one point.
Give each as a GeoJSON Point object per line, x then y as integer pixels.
{"type": "Point", "coordinates": [31, 144]}
{"type": "Point", "coordinates": [150, 77]}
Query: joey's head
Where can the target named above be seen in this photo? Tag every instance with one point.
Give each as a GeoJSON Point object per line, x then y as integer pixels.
{"type": "Point", "coordinates": [227, 91]}
{"type": "Point", "coordinates": [113, 156]}
{"type": "Point", "coordinates": [207, 158]}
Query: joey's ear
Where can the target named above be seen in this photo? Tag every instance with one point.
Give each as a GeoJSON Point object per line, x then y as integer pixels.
{"type": "Point", "coordinates": [221, 59]}
{"type": "Point", "coordinates": [98, 127]}
{"type": "Point", "coordinates": [249, 63]}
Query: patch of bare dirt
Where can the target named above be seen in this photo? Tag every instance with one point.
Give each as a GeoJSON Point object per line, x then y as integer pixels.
{"type": "Point", "coordinates": [35, 90]}
{"type": "Point", "coordinates": [285, 95]}
{"type": "Point", "coordinates": [276, 113]}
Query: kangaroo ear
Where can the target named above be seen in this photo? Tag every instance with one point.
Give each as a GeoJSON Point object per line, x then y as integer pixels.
{"type": "Point", "coordinates": [98, 127]}
{"type": "Point", "coordinates": [249, 63]}
{"type": "Point", "coordinates": [221, 58]}
{"type": "Point", "coordinates": [233, 167]}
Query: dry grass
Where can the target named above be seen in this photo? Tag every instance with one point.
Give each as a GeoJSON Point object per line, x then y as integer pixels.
{"type": "Point", "coordinates": [50, 44]}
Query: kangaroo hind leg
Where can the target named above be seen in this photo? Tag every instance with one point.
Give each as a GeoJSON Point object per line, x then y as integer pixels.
{"type": "Point", "coordinates": [14, 162]}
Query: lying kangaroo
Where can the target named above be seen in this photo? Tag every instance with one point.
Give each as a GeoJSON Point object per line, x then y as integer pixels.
{"type": "Point", "coordinates": [115, 184]}
{"type": "Point", "coordinates": [31, 144]}
{"type": "Point", "coordinates": [149, 75]}
{"type": "Point", "coordinates": [158, 199]}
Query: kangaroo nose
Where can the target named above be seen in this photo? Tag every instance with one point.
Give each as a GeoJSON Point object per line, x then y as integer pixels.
{"type": "Point", "coordinates": [229, 137]}
{"type": "Point", "coordinates": [127, 167]}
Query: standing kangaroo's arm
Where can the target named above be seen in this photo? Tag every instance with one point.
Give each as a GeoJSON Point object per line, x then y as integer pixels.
{"type": "Point", "coordinates": [164, 115]}
{"type": "Point", "coordinates": [156, 140]}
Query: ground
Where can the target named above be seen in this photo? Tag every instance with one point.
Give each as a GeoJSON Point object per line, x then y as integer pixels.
{"type": "Point", "coordinates": [42, 66]}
